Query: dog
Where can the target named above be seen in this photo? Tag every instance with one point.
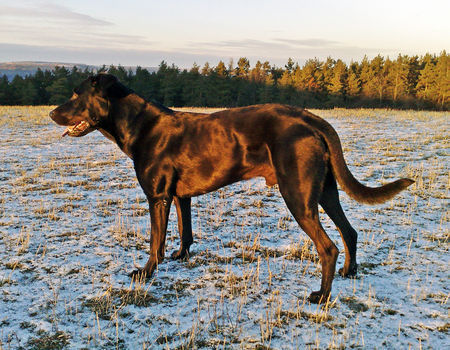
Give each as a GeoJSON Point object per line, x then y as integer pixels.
{"type": "Point", "coordinates": [180, 155]}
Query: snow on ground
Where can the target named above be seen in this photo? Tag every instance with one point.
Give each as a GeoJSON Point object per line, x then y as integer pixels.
{"type": "Point", "coordinates": [74, 223]}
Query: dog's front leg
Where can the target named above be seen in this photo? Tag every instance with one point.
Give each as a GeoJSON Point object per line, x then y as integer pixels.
{"type": "Point", "coordinates": [159, 215]}
{"type": "Point", "coordinates": [183, 206]}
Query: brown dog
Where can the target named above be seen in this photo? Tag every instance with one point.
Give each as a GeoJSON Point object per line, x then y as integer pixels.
{"type": "Point", "coordinates": [180, 155]}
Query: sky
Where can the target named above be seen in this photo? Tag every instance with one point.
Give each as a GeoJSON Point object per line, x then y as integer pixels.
{"type": "Point", "coordinates": [182, 32]}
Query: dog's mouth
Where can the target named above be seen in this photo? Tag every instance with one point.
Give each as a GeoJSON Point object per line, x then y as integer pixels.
{"type": "Point", "coordinates": [79, 129]}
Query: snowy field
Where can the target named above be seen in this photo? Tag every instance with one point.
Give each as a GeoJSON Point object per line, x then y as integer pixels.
{"type": "Point", "coordinates": [74, 223]}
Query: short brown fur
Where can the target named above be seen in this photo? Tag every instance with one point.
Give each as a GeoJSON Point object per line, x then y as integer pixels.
{"type": "Point", "coordinates": [179, 155]}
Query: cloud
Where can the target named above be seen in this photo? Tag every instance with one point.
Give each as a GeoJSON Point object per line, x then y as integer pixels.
{"type": "Point", "coordinates": [310, 42]}
{"type": "Point", "coordinates": [281, 49]}
{"type": "Point", "coordinates": [73, 37]}
{"type": "Point", "coordinates": [49, 24]}
{"type": "Point", "coordinates": [239, 44]}
{"type": "Point", "coordinates": [50, 12]}
{"type": "Point", "coordinates": [272, 44]}
{"type": "Point", "coordinates": [245, 46]}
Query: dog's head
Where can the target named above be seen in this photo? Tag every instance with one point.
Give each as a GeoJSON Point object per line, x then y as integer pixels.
{"type": "Point", "coordinates": [89, 107]}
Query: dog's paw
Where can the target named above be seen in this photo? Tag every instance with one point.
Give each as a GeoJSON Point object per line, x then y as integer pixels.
{"type": "Point", "coordinates": [181, 254]}
{"type": "Point", "coordinates": [351, 272]}
{"type": "Point", "coordinates": [318, 297]}
{"type": "Point", "coordinates": [138, 274]}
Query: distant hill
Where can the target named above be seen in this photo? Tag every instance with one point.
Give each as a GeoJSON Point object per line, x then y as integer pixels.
{"type": "Point", "coordinates": [11, 69]}
{"type": "Point", "coordinates": [23, 68]}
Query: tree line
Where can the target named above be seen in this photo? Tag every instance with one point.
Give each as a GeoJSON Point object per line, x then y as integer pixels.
{"type": "Point", "coordinates": [406, 82]}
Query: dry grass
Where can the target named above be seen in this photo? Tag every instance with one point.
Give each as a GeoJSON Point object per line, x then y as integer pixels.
{"type": "Point", "coordinates": [74, 222]}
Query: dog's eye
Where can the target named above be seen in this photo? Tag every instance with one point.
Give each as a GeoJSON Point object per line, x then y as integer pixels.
{"type": "Point", "coordinates": [76, 91]}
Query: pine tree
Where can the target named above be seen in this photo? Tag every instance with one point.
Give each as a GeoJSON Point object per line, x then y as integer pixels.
{"type": "Point", "coordinates": [268, 90]}
{"type": "Point", "coordinates": [169, 92]}
{"type": "Point", "coordinates": [192, 90]}
{"type": "Point", "coordinates": [326, 74]}
{"type": "Point", "coordinates": [243, 68]}
{"type": "Point", "coordinates": [427, 78]}
{"type": "Point", "coordinates": [338, 81]}
{"type": "Point", "coordinates": [407, 81]}
{"type": "Point", "coordinates": [443, 80]}
{"type": "Point", "coordinates": [398, 77]}
{"type": "Point", "coordinates": [60, 89]}
{"type": "Point", "coordinates": [286, 79]}
{"type": "Point", "coordinates": [353, 81]}
{"type": "Point", "coordinates": [195, 69]}
{"type": "Point", "coordinates": [143, 83]}
{"type": "Point", "coordinates": [221, 70]}
{"type": "Point", "coordinates": [4, 87]}
{"type": "Point", "coordinates": [309, 76]}
{"type": "Point", "coordinates": [290, 65]}
{"type": "Point", "coordinates": [413, 76]}
{"type": "Point", "coordinates": [28, 93]}
{"type": "Point", "coordinates": [41, 81]}
{"type": "Point", "coordinates": [257, 73]}
{"type": "Point", "coordinates": [121, 73]}
{"type": "Point", "coordinates": [374, 77]}
{"type": "Point", "coordinates": [206, 70]}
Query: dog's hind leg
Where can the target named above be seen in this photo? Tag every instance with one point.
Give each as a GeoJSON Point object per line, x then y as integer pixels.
{"type": "Point", "coordinates": [330, 203]}
{"type": "Point", "coordinates": [183, 206]}
{"type": "Point", "coordinates": [300, 177]}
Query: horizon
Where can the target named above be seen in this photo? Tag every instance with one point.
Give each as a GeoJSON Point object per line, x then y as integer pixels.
{"type": "Point", "coordinates": [252, 64]}
{"type": "Point", "coordinates": [144, 34]}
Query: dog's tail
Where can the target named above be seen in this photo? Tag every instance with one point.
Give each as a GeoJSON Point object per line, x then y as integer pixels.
{"type": "Point", "coordinates": [344, 177]}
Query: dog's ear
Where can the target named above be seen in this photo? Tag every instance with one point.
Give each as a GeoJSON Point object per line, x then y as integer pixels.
{"type": "Point", "coordinates": [117, 90]}
{"type": "Point", "coordinates": [110, 86]}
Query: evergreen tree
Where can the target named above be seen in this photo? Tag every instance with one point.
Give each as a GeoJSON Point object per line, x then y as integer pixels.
{"type": "Point", "coordinates": [121, 73]}
{"type": "Point", "coordinates": [398, 77]}
{"type": "Point", "coordinates": [286, 79]}
{"type": "Point", "coordinates": [206, 70]}
{"type": "Point", "coordinates": [231, 70]}
{"type": "Point", "coordinates": [405, 82]}
{"type": "Point", "coordinates": [60, 89]}
{"type": "Point", "coordinates": [41, 81]}
{"type": "Point", "coordinates": [290, 65]}
{"type": "Point", "coordinates": [15, 91]}
{"type": "Point", "coordinates": [353, 81]}
{"type": "Point", "coordinates": [375, 78]}
{"type": "Point", "coordinates": [193, 91]}
{"type": "Point", "coordinates": [242, 68]}
{"type": "Point", "coordinates": [170, 89]}
{"type": "Point", "coordinates": [28, 93]}
{"type": "Point", "coordinates": [195, 69]}
{"type": "Point", "coordinates": [427, 78]}
{"type": "Point", "coordinates": [4, 90]}
{"type": "Point", "coordinates": [268, 91]}
{"type": "Point", "coordinates": [276, 74]}
{"type": "Point", "coordinates": [338, 81]}
{"type": "Point", "coordinates": [442, 89]}
{"type": "Point", "coordinates": [326, 74]}
{"type": "Point", "coordinates": [221, 70]}
{"type": "Point", "coordinates": [413, 75]}
{"type": "Point", "coordinates": [309, 79]}
{"type": "Point", "coordinates": [144, 83]}
{"type": "Point", "coordinates": [257, 73]}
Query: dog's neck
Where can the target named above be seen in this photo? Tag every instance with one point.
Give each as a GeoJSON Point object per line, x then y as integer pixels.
{"type": "Point", "coordinates": [128, 118]}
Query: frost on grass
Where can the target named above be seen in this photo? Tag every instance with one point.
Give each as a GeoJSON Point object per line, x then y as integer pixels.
{"type": "Point", "coordinates": [74, 222]}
